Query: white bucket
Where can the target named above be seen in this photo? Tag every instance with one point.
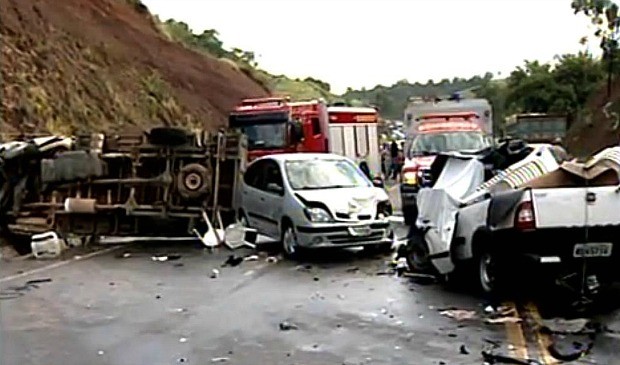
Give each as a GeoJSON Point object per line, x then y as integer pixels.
{"type": "Point", "coordinates": [46, 245]}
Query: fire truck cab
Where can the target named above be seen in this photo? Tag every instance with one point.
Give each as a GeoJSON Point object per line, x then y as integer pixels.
{"type": "Point", "coordinates": [276, 125]}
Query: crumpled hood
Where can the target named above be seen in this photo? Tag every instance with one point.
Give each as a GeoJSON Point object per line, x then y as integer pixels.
{"type": "Point", "coordinates": [352, 201]}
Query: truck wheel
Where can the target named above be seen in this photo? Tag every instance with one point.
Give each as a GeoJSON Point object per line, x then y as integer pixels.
{"type": "Point", "coordinates": [193, 181]}
{"type": "Point", "coordinates": [167, 136]}
{"type": "Point", "coordinates": [417, 252]}
{"type": "Point", "coordinates": [410, 213]}
{"type": "Point", "coordinates": [487, 273]}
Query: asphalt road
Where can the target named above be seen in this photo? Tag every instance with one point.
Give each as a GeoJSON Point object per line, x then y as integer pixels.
{"type": "Point", "coordinates": [346, 307]}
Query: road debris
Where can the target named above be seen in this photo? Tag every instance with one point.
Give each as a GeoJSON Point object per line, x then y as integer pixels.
{"type": "Point", "coordinates": [459, 314]}
{"type": "Point", "coordinates": [13, 292]}
{"type": "Point", "coordinates": [215, 273]}
{"type": "Point", "coordinates": [564, 326]}
{"type": "Point", "coordinates": [251, 258]}
{"type": "Point", "coordinates": [419, 278]}
{"type": "Point", "coordinates": [287, 326]}
{"type": "Point", "coordinates": [272, 259]}
{"type": "Point", "coordinates": [220, 359]}
{"type": "Point", "coordinates": [100, 352]}
{"type": "Point", "coordinates": [304, 268]}
{"type": "Point", "coordinates": [492, 358]}
{"type": "Point", "coordinates": [233, 261]}
{"type": "Point", "coordinates": [182, 340]}
{"type": "Point", "coordinates": [503, 320]}
{"type": "Point", "coordinates": [163, 258]}
{"type": "Point", "coordinates": [463, 350]}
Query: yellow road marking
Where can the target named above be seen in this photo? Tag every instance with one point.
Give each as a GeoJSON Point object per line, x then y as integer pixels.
{"type": "Point", "coordinates": [542, 340]}
{"type": "Point", "coordinates": [514, 332]}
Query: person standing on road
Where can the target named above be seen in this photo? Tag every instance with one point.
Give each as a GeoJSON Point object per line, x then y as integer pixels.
{"type": "Point", "coordinates": [393, 157]}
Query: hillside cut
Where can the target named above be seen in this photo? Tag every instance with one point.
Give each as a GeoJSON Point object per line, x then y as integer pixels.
{"type": "Point", "coordinates": [103, 65]}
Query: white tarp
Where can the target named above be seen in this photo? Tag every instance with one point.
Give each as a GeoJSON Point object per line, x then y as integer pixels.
{"type": "Point", "coordinates": [438, 206]}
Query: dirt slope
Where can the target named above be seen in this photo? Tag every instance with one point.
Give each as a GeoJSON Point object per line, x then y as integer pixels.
{"type": "Point", "coordinates": [596, 130]}
{"type": "Point", "coordinates": [82, 65]}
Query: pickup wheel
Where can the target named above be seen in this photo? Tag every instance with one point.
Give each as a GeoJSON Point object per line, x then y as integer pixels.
{"type": "Point", "coordinates": [417, 253]}
{"type": "Point", "coordinates": [487, 269]}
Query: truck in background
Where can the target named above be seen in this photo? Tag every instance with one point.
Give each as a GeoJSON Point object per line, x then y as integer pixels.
{"type": "Point", "coordinates": [354, 133]}
{"type": "Point", "coordinates": [421, 106]}
{"type": "Point", "coordinates": [438, 127]}
{"type": "Point", "coordinates": [278, 125]}
{"type": "Point", "coordinates": [537, 127]}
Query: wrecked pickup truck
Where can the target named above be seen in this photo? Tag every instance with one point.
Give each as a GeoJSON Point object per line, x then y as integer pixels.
{"type": "Point", "coordinates": [164, 181]}
{"type": "Point", "coordinates": [478, 220]}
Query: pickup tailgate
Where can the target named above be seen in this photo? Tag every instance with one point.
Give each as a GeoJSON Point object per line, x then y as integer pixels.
{"type": "Point", "coordinates": [603, 206]}
{"type": "Point", "coordinates": [561, 207]}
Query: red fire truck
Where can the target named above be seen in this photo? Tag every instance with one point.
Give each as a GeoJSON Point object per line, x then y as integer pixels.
{"type": "Point", "coordinates": [277, 125]}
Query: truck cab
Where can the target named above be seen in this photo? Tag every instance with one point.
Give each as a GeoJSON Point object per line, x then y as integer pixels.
{"type": "Point", "coordinates": [276, 125]}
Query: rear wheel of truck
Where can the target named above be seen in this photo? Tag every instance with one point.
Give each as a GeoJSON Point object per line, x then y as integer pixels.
{"type": "Point", "coordinates": [417, 252]}
{"type": "Point", "coordinates": [487, 270]}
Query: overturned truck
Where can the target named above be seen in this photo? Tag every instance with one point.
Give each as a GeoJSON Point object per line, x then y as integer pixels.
{"type": "Point", "coordinates": [165, 181]}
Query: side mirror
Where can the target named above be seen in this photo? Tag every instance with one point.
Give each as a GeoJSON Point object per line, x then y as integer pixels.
{"type": "Point", "coordinates": [275, 188]}
{"type": "Point", "coordinates": [297, 131]}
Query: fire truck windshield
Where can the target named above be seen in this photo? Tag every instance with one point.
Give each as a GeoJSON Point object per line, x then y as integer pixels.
{"type": "Point", "coordinates": [265, 136]}
{"type": "Point", "coordinates": [433, 143]}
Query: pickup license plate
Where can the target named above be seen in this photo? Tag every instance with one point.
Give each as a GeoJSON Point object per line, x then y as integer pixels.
{"type": "Point", "coordinates": [362, 231]}
{"type": "Point", "coordinates": [592, 250]}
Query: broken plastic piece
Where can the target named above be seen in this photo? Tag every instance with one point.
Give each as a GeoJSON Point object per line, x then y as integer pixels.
{"type": "Point", "coordinates": [287, 326]}
{"type": "Point", "coordinates": [459, 314]}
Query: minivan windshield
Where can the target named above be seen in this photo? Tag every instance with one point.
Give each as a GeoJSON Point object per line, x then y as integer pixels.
{"type": "Point", "coordinates": [433, 143]}
{"type": "Point", "coordinates": [324, 174]}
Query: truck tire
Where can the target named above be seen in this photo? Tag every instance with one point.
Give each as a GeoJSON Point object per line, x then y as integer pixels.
{"type": "Point", "coordinates": [167, 136]}
{"type": "Point", "coordinates": [486, 269]}
{"type": "Point", "coordinates": [194, 181]}
{"type": "Point", "coordinates": [417, 252]}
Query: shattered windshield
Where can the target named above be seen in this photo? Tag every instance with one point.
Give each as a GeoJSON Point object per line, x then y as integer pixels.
{"type": "Point", "coordinates": [324, 174]}
{"type": "Point", "coordinates": [428, 144]}
{"type": "Point", "coordinates": [263, 136]}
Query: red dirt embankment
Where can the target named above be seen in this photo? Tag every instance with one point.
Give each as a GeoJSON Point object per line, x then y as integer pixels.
{"type": "Point", "coordinates": [597, 130]}
{"type": "Point", "coordinates": [81, 65]}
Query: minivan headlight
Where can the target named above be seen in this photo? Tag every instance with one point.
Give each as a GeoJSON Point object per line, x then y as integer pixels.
{"type": "Point", "coordinates": [318, 215]}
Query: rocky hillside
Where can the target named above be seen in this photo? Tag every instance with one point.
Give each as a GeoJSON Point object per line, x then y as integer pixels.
{"type": "Point", "coordinates": [79, 65]}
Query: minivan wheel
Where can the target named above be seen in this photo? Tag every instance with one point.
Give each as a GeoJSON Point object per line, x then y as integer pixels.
{"type": "Point", "coordinates": [289, 242]}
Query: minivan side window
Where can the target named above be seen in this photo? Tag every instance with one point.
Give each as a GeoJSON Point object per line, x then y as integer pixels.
{"type": "Point", "coordinates": [272, 175]}
{"type": "Point", "coordinates": [253, 174]}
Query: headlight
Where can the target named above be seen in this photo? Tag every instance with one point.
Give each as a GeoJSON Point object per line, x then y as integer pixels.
{"type": "Point", "coordinates": [318, 215]}
{"type": "Point", "coordinates": [410, 177]}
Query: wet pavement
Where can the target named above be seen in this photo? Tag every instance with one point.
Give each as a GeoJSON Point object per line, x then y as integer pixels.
{"type": "Point", "coordinates": [344, 307]}
{"type": "Point", "coordinates": [118, 306]}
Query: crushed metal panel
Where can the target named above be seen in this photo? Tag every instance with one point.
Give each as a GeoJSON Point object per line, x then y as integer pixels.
{"type": "Point", "coordinates": [438, 207]}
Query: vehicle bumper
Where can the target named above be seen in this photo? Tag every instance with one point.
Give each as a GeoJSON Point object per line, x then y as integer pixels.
{"type": "Point", "coordinates": [339, 235]}
{"type": "Point", "coordinates": [553, 249]}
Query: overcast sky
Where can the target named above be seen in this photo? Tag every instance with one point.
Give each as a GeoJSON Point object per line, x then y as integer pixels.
{"type": "Point", "coordinates": [362, 43]}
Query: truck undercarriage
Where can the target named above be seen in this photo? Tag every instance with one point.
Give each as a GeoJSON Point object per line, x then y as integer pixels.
{"type": "Point", "coordinates": [142, 184]}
